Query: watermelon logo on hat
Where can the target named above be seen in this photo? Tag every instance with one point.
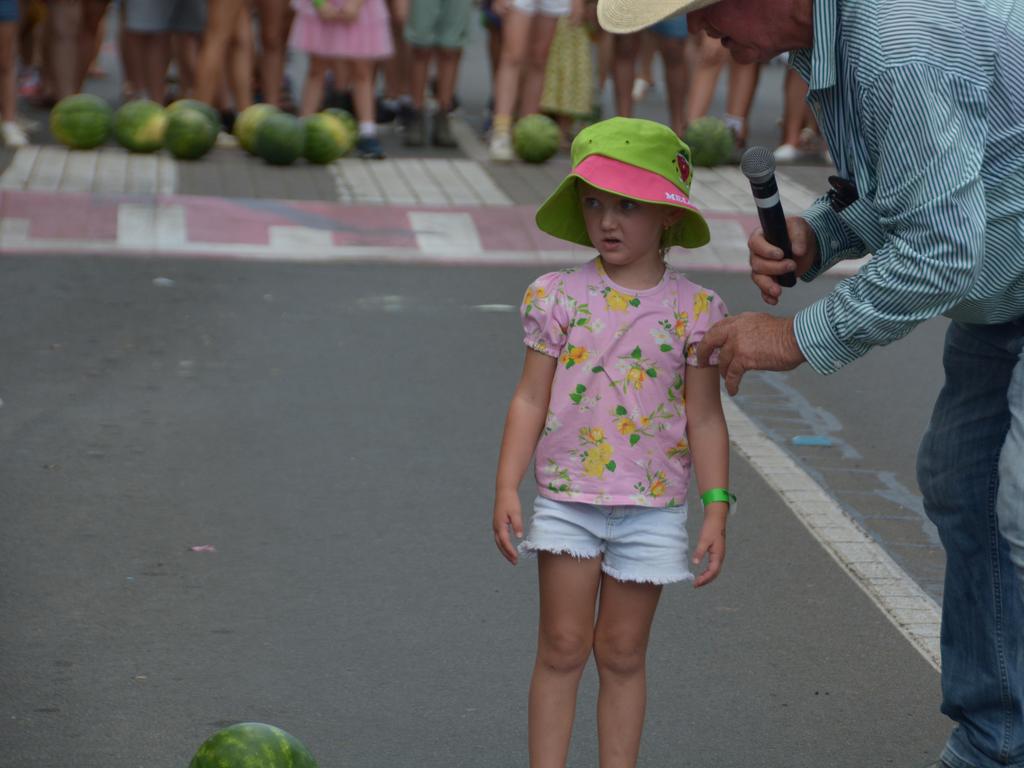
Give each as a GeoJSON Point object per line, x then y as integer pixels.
{"type": "Point", "coordinates": [638, 159]}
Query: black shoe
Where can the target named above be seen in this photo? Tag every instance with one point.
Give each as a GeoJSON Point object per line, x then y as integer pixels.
{"type": "Point", "coordinates": [369, 148]}
{"type": "Point", "coordinates": [443, 131]}
{"type": "Point", "coordinates": [385, 112]}
{"type": "Point", "coordinates": [415, 131]}
{"type": "Point", "coordinates": [406, 113]}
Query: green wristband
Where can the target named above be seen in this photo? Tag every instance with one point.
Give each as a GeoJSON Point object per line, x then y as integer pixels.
{"type": "Point", "coordinates": [717, 494]}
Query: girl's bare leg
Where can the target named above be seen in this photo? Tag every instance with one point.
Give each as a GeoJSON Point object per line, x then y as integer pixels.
{"type": "Point", "coordinates": [447, 76]}
{"type": "Point", "coordinates": [742, 86]}
{"type": "Point", "coordinates": [8, 69]}
{"type": "Point", "coordinates": [620, 649]}
{"type": "Point", "coordinates": [313, 88]}
{"type": "Point", "coordinates": [364, 101]}
{"type": "Point", "coordinates": [673, 55]}
{"type": "Point", "coordinates": [239, 61]}
{"type": "Point", "coordinates": [90, 36]}
{"type": "Point", "coordinates": [515, 32]}
{"type": "Point", "coordinates": [795, 112]}
{"type": "Point", "coordinates": [64, 20]}
{"type": "Point", "coordinates": [542, 32]}
{"type": "Point", "coordinates": [709, 57]}
{"type": "Point", "coordinates": [623, 72]}
{"type": "Point", "coordinates": [568, 592]}
{"type": "Point", "coordinates": [221, 18]}
{"type": "Point", "coordinates": [272, 19]}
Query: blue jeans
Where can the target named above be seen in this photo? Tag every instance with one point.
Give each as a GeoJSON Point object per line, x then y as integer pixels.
{"type": "Point", "coordinates": [971, 472]}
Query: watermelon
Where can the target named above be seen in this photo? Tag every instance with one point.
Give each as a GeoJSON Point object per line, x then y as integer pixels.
{"type": "Point", "coordinates": [252, 745]}
{"type": "Point", "coordinates": [710, 140]}
{"type": "Point", "coordinates": [347, 118]}
{"type": "Point", "coordinates": [189, 134]}
{"type": "Point", "coordinates": [211, 114]}
{"type": "Point", "coordinates": [81, 121]}
{"type": "Point", "coordinates": [280, 139]}
{"type": "Point", "coordinates": [139, 125]}
{"type": "Point", "coordinates": [327, 138]}
{"type": "Point", "coordinates": [248, 122]}
{"type": "Point", "coordinates": [536, 138]}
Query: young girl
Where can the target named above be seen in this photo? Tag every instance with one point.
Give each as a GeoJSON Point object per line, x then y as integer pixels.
{"type": "Point", "coordinates": [357, 31]}
{"type": "Point", "coordinates": [612, 400]}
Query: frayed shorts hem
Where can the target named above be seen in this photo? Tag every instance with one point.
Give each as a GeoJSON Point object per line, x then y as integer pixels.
{"type": "Point", "coordinates": [530, 550]}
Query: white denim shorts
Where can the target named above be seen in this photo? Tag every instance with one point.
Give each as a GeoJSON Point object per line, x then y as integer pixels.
{"type": "Point", "coordinates": [546, 7]}
{"type": "Point", "coordinates": [643, 544]}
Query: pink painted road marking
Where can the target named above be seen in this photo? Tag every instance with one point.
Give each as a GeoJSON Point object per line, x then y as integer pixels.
{"type": "Point", "coordinates": [67, 222]}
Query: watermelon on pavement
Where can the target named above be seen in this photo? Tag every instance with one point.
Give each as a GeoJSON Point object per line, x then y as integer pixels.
{"type": "Point", "coordinates": [347, 118]}
{"type": "Point", "coordinates": [248, 122]}
{"type": "Point", "coordinates": [252, 745]}
{"type": "Point", "coordinates": [189, 134]}
{"type": "Point", "coordinates": [211, 114]}
{"type": "Point", "coordinates": [536, 137]}
{"type": "Point", "coordinates": [710, 140]}
{"type": "Point", "coordinates": [139, 125]}
{"type": "Point", "coordinates": [280, 139]}
{"type": "Point", "coordinates": [81, 121]}
{"type": "Point", "coordinates": [327, 138]}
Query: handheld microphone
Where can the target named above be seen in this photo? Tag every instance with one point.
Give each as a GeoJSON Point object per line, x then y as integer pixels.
{"type": "Point", "coordinates": [758, 165]}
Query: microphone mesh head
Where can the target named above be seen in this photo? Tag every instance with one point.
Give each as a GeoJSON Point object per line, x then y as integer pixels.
{"type": "Point", "coordinates": [757, 163]}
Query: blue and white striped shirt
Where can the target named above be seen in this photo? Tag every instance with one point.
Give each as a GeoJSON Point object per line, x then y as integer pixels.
{"type": "Point", "coordinates": [922, 105]}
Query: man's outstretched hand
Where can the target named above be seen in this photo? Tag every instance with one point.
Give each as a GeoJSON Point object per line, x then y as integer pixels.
{"type": "Point", "coordinates": [752, 341]}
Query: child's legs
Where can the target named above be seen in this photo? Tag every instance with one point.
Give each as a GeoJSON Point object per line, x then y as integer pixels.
{"type": "Point", "coordinates": [156, 56]}
{"type": "Point", "coordinates": [795, 111]}
{"type": "Point", "coordinates": [64, 19]}
{"type": "Point", "coordinates": [673, 55]}
{"type": "Point", "coordinates": [239, 64]}
{"type": "Point", "coordinates": [272, 19]}
{"type": "Point", "coordinates": [364, 101]}
{"type": "Point", "coordinates": [709, 57]}
{"type": "Point", "coordinates": [742, 86]}
{"type": "Point", "coordinates": [313, 88]}
{"type": "Point", "coordinates": [623, 70]}
{"type": "Point", "coordinates": [568, 593]}
{"type": "Point", "coordinates": [542, 32]}
{"type": "Point", "coordinates": [447, 75]}
{"type": "Point", "coordinates": [515, 32]}
{"type": "Point", "coordinates": [8, 68]}
{"type": "Point", "coordinates": [221, 18]}
{"type": "Point", "coordinates": [620, 650]}
{"type": "Point", "coordinates": [420, 68]}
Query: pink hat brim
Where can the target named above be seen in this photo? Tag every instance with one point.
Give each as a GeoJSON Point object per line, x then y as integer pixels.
{"type": "Point", "coordinates": [627, 180]}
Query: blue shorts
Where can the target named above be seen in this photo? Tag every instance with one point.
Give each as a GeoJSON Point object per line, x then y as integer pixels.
{"type": "Point", "coordinates": [641, 544]}
{"type": "Point", "coordinates": [8, 10]}
{"type": "Point", "coordinates": [673, 26]}
{"type": "Point", "coordinates": [158, 16]}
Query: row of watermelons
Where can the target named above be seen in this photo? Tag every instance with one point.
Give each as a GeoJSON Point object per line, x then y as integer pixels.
{"type": "Point", "coordinates": [188, 129]}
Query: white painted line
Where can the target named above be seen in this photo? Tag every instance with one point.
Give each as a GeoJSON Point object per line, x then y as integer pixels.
{"type": "Point", "coordinates": [911, 610]}
{"type": "Point", "coordinates": [445, 233]}
{"type": "Point", "coordinates": [20, 170]}
{"type": "Point", "coordinates": [422, 183]}
{"type": "Point", "coordinates": [79, 171]}
{"type": "Point", "coordinates": [136, 225]}
{"type": "Point", "coordinates": [13, 232]}
{"type": "Point", "coordinates": [305, 240]}
{"type": "Point", "coordinates": [48, 169]}
{"type": "Point", "coordinates": [392, 183]}
{"type": "Point", "coordinates": [167, 175]}
{"type": "Point", "coordinates": [481, 183]}
{"type": "Point", "coordinates": [451, 181]}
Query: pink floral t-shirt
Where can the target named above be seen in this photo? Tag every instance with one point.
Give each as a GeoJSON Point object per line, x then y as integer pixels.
{"type": "Point", "coordinates": [616, 425]}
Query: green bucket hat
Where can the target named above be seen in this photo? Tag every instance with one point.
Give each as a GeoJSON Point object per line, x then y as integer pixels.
{"type": "Point", "coordinates": [639, 159]}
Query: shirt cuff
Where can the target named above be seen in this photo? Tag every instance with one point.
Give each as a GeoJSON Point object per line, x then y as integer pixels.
{"type": "Point", "coordinates": [816, 336]}
{"type": "Point", "coordinates": [835, 240]}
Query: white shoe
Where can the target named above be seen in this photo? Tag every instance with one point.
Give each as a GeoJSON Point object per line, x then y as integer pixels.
{"type": "Point", "coordinates": [640, 87]}
{"type": "Point", "coordinates": [787, 153]}
{"type": "Point", "coordinates": [13, 135]}
{"type": "Point", "coordinates": [501, 147]}
{"type": "Point", "coordinates": [226, 140]}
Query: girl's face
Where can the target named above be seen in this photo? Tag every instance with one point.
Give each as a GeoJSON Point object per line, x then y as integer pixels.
{"type": "Point", "coordinates": [624, 231]}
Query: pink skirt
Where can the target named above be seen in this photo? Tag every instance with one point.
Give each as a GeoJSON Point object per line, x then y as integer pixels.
{"type": "Point", "coordinates": [368, 37]}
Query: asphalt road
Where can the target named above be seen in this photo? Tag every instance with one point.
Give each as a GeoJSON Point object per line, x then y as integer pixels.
{"type": "Point", "coordinates": [332, 431]}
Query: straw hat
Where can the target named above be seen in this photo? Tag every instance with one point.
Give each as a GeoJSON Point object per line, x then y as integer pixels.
{"type": "Point", "coordinates": [623, 16]}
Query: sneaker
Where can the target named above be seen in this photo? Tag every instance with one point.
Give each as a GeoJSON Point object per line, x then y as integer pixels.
{"type": "Point", "coordinates": [386, 113]}
{"type": "Point", "coordinates": [13, 135]}
{"type": "Point", "coordinates": [787, 153]}
{"type": "Point", "coordinates": [369, 148]}
{"type": "Point", "coordinates": [640, 88]}
{"type": "Point", "coordinates": [406, 114]}
{"type": "Point", "coordinates": [443, 131]}
{"type": "Point", "coordinates": [501, 147]}
{"type": "Point", "coordinates": [415, 131]}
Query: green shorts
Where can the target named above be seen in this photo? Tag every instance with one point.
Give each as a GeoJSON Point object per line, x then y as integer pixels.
{"type": "Point", "coordinates": [438, 23]}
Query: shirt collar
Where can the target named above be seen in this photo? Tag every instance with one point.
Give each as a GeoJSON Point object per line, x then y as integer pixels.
{"type": "Point", "coordinates": [818, 63]}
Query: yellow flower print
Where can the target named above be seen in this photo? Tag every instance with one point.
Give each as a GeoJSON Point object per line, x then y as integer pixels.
{"type": "Point", "coordinates": [615, 301]}
{"type": "Point", "coordinates": [625, 426]}
{"type": "Point", "coordinates": [574, 355]}
{"type": "Point", "coordinates": [682, 320]}
{"type": "Point", "coordinates": [701, 303]}
{"type": "Point", "coordinates": [596, 460]}
{"type": "Point", "coordinates": [636, 376]}
{"type": "Point", "coordinates": [680, 450]}
{"type": "Point", "coordinates": [534, 295]}
{"type": "Point", "coordinates": [593, 434]}
{"type": "Point", "coordinates": [659, 486]}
